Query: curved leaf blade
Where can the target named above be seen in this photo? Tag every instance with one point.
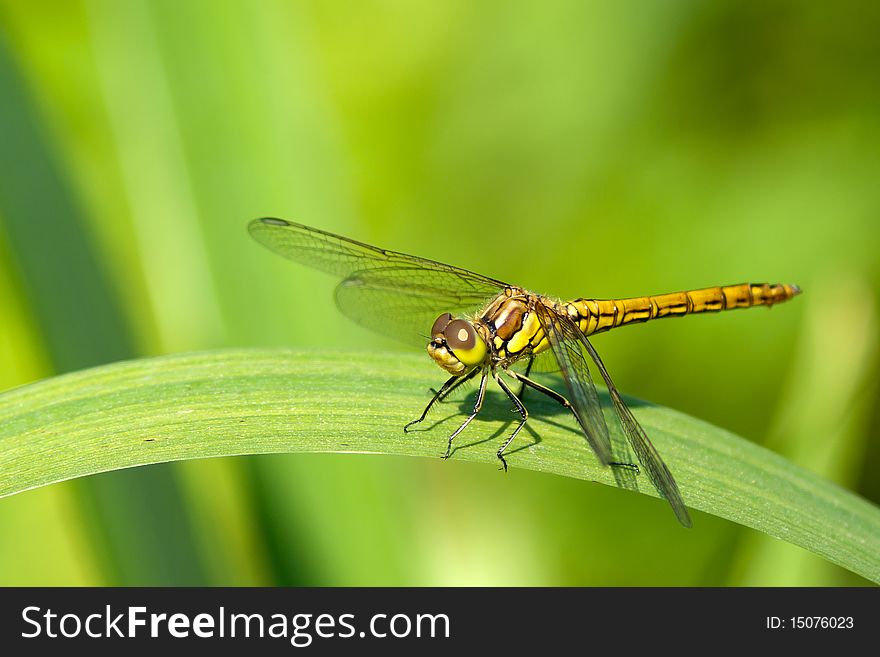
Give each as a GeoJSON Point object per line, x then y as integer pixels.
{"type": "Point", "coordinates": [227, 403]}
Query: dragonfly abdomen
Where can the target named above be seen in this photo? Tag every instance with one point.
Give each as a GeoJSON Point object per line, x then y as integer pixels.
{"type": "Point", "coordinates": [596, 315]}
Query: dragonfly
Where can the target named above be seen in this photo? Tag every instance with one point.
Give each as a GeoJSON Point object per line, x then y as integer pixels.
{"type": "Point", "coordinates": [479, 326]}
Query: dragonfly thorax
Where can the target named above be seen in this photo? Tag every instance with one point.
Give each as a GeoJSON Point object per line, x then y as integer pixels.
{"type": "Point", "coordinates": [456, 345]}
{"type": "Point", "coordinates": [513, 326]}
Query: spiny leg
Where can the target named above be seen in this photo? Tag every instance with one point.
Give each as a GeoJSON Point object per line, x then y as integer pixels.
{"type": "Point", "coordinates": [525, 381]}
{"type": "Point", "coordinates": [444, 389]}
{"type": "Point", "coordinates": [478, 404]}
{"type": "Point", "coordinates": [522, 385]}
{"type": "Point", "coordinates": [524, 414]}
{"type": "Point", "coordinates": [443, 394]}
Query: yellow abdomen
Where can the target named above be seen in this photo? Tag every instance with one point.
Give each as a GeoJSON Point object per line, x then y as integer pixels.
{"type": "Point", "coordinates": [596, 315]}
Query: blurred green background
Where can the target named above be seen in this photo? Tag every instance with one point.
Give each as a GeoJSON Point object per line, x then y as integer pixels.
{"type": "Point", "coordinates": [577, 148]}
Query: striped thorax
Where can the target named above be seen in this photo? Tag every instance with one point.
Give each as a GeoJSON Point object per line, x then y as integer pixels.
{"type": "Point", "coordinates": [511, 325]}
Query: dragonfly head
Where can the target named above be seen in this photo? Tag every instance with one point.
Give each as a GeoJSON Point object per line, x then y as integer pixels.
{"type": "Point", "coordinates": [455, 344]}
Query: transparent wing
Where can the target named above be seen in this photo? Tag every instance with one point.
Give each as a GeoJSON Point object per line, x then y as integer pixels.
{"type": "Point", "coordinates": [563, 336]}
{"type": "Point", "coordinates": [650, 460]}
{"type": "Point", "coordinates": [403, 302]}
{"type": "Point", "coordinates": [395, 294]}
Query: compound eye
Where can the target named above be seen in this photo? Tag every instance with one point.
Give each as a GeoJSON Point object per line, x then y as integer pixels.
{"type": "Point", "coordinates": [460, 335]}
{"type": "Point", "coordinates": [440, 324]}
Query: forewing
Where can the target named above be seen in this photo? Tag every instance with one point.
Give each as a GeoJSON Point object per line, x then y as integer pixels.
{"type": "Point", "coordinates": [562, 334]}
{"type": "Point", "coordinates": [342, 256]}
{"type": "Point", "coordinates": [393, 293]}
{"type": "Point", "coordinates": [403, 302]}
{"type": "Point", "coordinates": [647, 454]}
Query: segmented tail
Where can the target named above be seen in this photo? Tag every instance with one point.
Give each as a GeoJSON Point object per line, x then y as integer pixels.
{"type": "Point", "coordinates": [596, 315]}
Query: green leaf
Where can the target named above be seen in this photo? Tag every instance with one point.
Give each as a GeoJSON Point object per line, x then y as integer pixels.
{"type": "Point", "coordinates": [248, 402]}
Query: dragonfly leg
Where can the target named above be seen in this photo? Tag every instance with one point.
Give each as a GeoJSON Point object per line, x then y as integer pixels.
{"type": "Point", "coordinates": [522, 385]}
{"type": "Point", "coordinates": [444, 389]}
{"type": "Point", "coordinates": [478, 404]}
{"type": "Point", "coordinates": [625, 466]}
{"type": "Point", "coordinates": [525, 381]}
{"type": "Point", "coordinates": [443, 394]}
{"type": "Point", "coordinates": [524, 414]}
